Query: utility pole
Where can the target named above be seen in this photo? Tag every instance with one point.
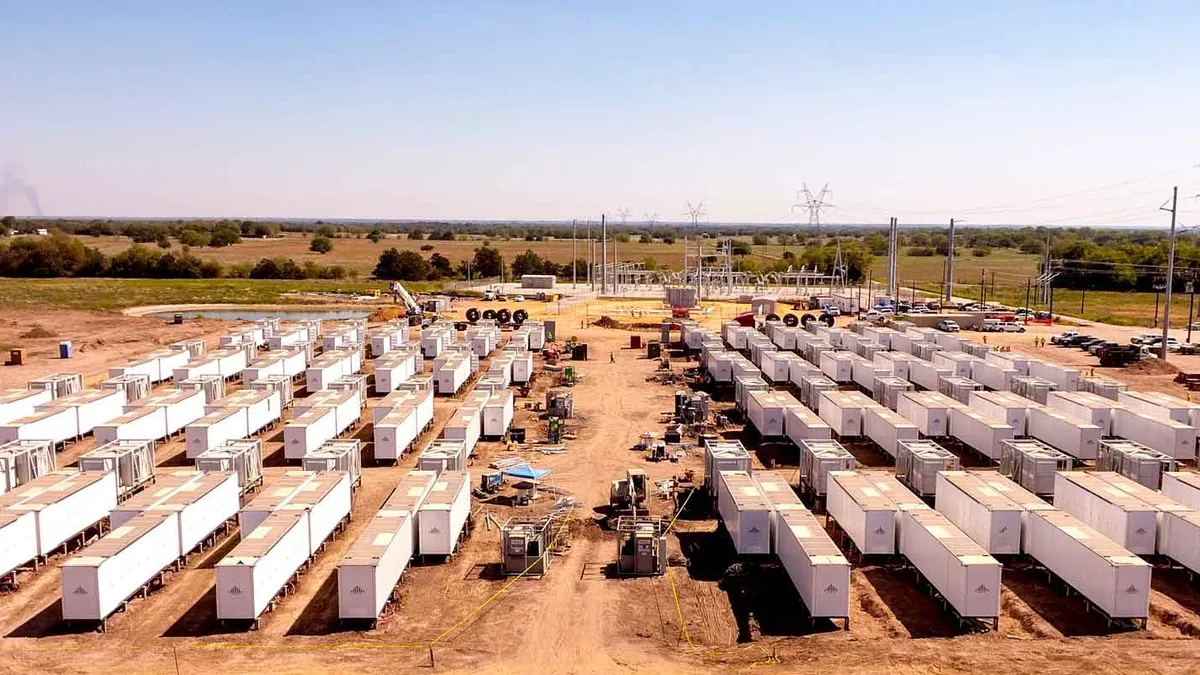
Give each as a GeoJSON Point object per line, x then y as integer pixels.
{"type": "Point", "coordinates": [950, 265]}
{"type": "Point", "coordinates": [603, 255]}
{"type": "Point", "coordinates": [1170, 271]}
{"type": "Point", "coordinates": [591, 259]}
{"type": "Point", "coordinates": [1046, 269]}
{"type": "Point", "coordinates": [1028, 285]}
{"type": "Point", "coordinates": [1082, 297]}
{"type": "Point", "coordinates": [574, 267]}
{"type": "Point", "coordinates": [982, 286]}
{"type": "Point", "coordinates": [1191, 288]}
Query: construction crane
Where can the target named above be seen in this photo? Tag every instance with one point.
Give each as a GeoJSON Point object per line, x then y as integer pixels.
{"type": "Point", "coordinates": [413, 309]}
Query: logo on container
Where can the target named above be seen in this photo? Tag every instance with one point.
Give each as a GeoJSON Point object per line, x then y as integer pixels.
{"type": "Point", "coordinates": [1131, 590]}
{"type": "Point", "coordinates": [235, 590]}
{"type": "Point", "coordinates": [1141, 531]}
{"type": "Point", "coordinates": [880, 531]}
{"type": "Point", "coordinates": [357, 590]}
{"type": "Point", "coordinates": [831, 589]}
{"type": "Point", "coordinates": [982, 588]}
{"type": "Point", "coordinates": [79, 590]}
{"type": "Point", "coordinates": [754, 530]}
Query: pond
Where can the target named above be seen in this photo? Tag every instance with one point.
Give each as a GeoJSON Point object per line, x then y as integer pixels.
{"type": "Point", "coordinates": [252, 314]}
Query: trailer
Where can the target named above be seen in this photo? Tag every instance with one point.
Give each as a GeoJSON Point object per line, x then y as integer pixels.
{"type": "Point", "coordinates": [959, 569]}
{"type": "Point", "coordinates": [1127, 520]}
{"type": "Point", "coordinates": [745, 511]}
{"type": "Point", "coordinates": [18, 403]}
{"type": "Point", "coordinates": [1066, 379]}
{"type": "Point", "coordinates": [260, 567]}
{"type": "Point", "coordinates": [765, 410]}
{"type": "Point", "coordinates": [452, 374]}
{"type": "Point", "coordinates": [1004, 407]}
{"type": "Point", "coordinates": [994, 376]}
{"type": "Point", "coordinates": [926, 375]}
{"type": "Point", "coordinates": [817, 459]}
{"type": "Point", "coordinates": [815, 566]}
{"type": "Point", "coordinates": [498, 414]}
{"type": "Point", "coordinates": [837, 366]}
{"type": "Point", "coordinates": [64, 505]}
{"type": "Point", "coordinates": [443, 515]}
{"type": "Point", "coordinates": [346, 405]}
{"type": "Point", "coordinates": [327, 498]}
{"type": "Point", "coordinates": [1183, 487]}
{"type": "Point", "coordinates": [812, 388]}
{"type": "Point", "coordinates": [1161, 406]}
{"type": "Point", "coordinates": [1110, 577]}
{"type": "Point", "coordinates": [978, 432]}
{"type": "Point", "coordinates": [1170, 437]}
{"type": "Point", "coordinates": [930, 411]}
{"type": "Point", "coordinates": [957, 362]}
{"type": "Point", "coordinates": [843, 411]}
{"type": "Point", "coordinates": [867, 517]}
{"type": "Point", "coordinates": [1080, 440]}
{"type": "Point", "coordinates": [801, 424]}
{"type": "Point", "coordinates": [986, 515]}
{"type": "Point", "coordinates": [887, 429]}
{"type": "Point", "coordinates": [141, 423]}
{"type": "Point", "coordinates": [392, 369]}
{"type": "Point", "coordinates": [1084, 407]}
{"type": "Point", "coordinates": [92, 407]}
{"type": "Point", "coordinates": [308, 431]}
{"type": "Point", "coordinates": [466, 426]}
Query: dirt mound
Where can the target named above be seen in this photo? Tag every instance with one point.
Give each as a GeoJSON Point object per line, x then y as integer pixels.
{"type": "Point", "coordinates": [386, 314]}
{"type": "Point", "coordinates": [1152, 367]}
{"type": "Point", "coordinates": [608, 322]}
{"type": "Point", "coordinates": [38, 332]}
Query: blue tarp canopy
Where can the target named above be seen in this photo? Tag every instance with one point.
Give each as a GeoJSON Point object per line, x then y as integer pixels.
{"type": "Point", "coordinates": [525, 471]}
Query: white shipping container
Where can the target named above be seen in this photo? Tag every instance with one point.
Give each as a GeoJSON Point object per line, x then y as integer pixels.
{"type": "Point", "coordinates": [1161, 406]}
{"type": "Point", "coordinates": [308, 431]}
{"type": "Point", "coordinates": [395, 433]}
{"type": "Point", "coordinates": [745, 512]}
{"type": "Point", "coordinates": [202, 506]}
{"type": "Point", "coordinates": [862, 511]}
{"type": "Point", "coordinates": [327, 499]}
{"type": "Point", "coordinates": [498, 414]}
{"type": "Point", "coordinates": [47, 423]}
{"type": "Point", "coordinates": [1183, 487]}
{"type": "Point", "coordinates": [64, 508]}
{"type": "Point", "coordinates": [18, 541]}
{"type": "Point", "coordinates": [887, 428]}
{"type": "Point", "coordinates": [978, 432]}
{"type": "Point", "coordinates": [181, 407]}
{"type": "Point", "coordinates": [801, 424]}
{"type": "Point", "coordinates": [843, 411]}
{"type": "Point", "coordinates": [256, 570]}
{"type": "Point", "coordinates": [765, 411]}
{"type": "Point", "coordinates": [929, 410]}
{"type": "Point", "coordinates": [837, 366]}
{"type": "Point", "coordinates": [927, 375]}
{"type": "Point", "coordinates": [1067, 379]}
{"type": "Point", "coordinates": [957, 362]}
{"type": "Point", "coordinates": [1084, 407]}
{"type": "Point", "coordinates": [18, 403]}
{"type": "Point", "coordinates": [165, 485]}
{"type": "Point", "coordinates": [994, 376]}
{"type": "Point", "coordinates": [212, 430]}
{"type": "Point", "coordinates": [146, 366]}
{"type": "Point", "coordinates": [985, 514]}
{"type": "Point", "coordinates": [818, 570]}
{"type": "Point", "coordinates": [1004, 407]}
{"type": "Point", "coordinates": [1080, 440]}
{"type": "Point", "coordinates": [93, 406]}
{"type": "Point", "coordinates": [143, 423]}
{"type": "Point", "coordinates": [1112, 512]}
{"type": "Point", "coordinates": [1109, 576]}
{"type": "Point", "coordinates": [444, 513]}
{"type": "Point", "coordinates": [1169, 437]}
{"type": "Point", "coordinates": [962, 572]}
{"type": "Point", "coordinates": [1179, 535]}
{"type": "Point", "coordinates": [97, 581]}
{"type": "Point", "coordinates": [776, 366]}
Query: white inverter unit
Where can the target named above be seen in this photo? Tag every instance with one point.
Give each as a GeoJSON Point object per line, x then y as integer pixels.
{"type": "Point", "coordinates": [242, 457]}
{"type": "Point", "coordinates": [817, 459]}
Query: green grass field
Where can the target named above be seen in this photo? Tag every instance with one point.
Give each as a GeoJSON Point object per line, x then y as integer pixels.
{"type": "Point", "coordinates": [112, 294]}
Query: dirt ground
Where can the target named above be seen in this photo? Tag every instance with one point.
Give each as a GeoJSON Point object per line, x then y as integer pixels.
{"type": "Point", "coordinates": [577, 618]}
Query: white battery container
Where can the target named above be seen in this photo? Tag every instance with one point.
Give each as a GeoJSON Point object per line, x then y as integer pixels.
{"type": "Point", "coordinates": [888, 429]}
{"type": "Point", "coordinates": [1167, 436]}
{"type": "Point", "coordinates": [444, 513]}
{"type": "Point", "coordinates": [308, 431]}
{"type": "Point", "coordinates": [862, 511]}
{"type": "Point", "coordinates": [929, 410]}
{"type": "Point", "coordinates": [978, 432]}
{"type": "Point", "coordinates": [818, 570]}
{"type": "Point", "coordinates": [986, 515]}
{"type": "Point", "coordinates": [746, 513]}
{"type": "Point", "coordinates": [960, 569]}
{"type": "Point", "coordinates": [1004, 407]}
{"type": "Point", "coordinates": [1127, 520]}
{"type": "Point", "coordinates": [256, 570]}
{"type": "Point", "coordinates": [1080, 440]}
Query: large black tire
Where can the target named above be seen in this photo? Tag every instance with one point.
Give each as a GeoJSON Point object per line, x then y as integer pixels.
{"type": "Point", "coordinates": [804, 320]}
{"type": "Point", "coordinates": [520, 316]}
{"type": "Point", "coordinates": [827, 319]}
{"type": "Point", "coordinates": [791, 320]}
{"type": "Point", "coordinates": [489, 314]}
{"type": "Point", "coordinates": [503, 315]}
{"type": "Point", "coordinates": [772, 317]}
{"type": "Point", "coordinates": [473, 314]}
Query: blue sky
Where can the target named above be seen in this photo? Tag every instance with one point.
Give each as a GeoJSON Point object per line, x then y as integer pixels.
{"type": "Point", "coordinates": [554, 110]}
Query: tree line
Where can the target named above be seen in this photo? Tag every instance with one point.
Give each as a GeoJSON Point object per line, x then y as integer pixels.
{"type": "Point", "coordinates": [61, 255]}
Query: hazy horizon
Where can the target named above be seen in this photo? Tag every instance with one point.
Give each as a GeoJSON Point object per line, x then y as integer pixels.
{"type": "Point", "coordinates": [1071, 113]}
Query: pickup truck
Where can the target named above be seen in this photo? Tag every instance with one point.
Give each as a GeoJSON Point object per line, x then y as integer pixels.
{"type": "Point", "coordinates": [1061, 338]}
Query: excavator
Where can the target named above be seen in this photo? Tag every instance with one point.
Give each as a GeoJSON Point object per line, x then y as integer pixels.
{"type": "Point", "coordinates": [629, 494]}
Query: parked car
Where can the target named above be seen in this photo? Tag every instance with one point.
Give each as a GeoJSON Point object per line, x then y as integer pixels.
{"type": "Point", "coordinates": [1173, 345]}
{"type": "Point", "coordinates": [832, 311]}
{"type": "Point", "coordinates": [1078, 340]}
{"type": "Point", "coordinates": [874, 315]}
{"type": "Point", "coordinates": [1088, 344]}
{"type": "Point", "coordinates": [1063, 337]}
{"type": "Point", "coordinates": [1094, 350]}
{"type": "Point", "coordinates": [919, 310]}
{"type": "Point", "coordinates": [1042, 316]}
{"type": "Point", "coordinates": [947, 326]}
{"type": "Point", "coordinates": [1144, 338]}
{"type": "Point", "coordinates": [1012, 327]}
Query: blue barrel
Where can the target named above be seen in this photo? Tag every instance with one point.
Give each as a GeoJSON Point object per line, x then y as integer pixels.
{"type": "Point", "coordinates": [65, 349]}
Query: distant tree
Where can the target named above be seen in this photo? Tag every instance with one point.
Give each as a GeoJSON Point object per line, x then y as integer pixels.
{"type": "Point", "coordinates": [760, 239]}
{"type": "Point", "coordinates": [375, 236]}
{"type": "Point", "coordinates": [440, 266]}
{"type": "Point", "coordinates": [443, 235]}
{"type": "Point", "coordinates": [487, 262]}
{"type": "Point", "coordinates": [668, 239]}
{"type": "Point", "coordinates": [416, 234]}
{"type": "Point", "coordinates": [981, 251]}
{"type": "Point", "coordinates": [164, 242]}
{"type": "Point", "coordinates": [426, 247]}
{"type": "Point", "coordinates": [225, 236]}
{"type": "Point", "coordinates": [265, 230]}
{"type": "Point", "coordinates": [922, 251]}
{"type": "Point", "coordinates": [320, 244]}
{"type": "Point", "coordinates": [621, 237]}
{"type": "Point", "coordinates": [532, 263]}
{"type": "Point", "coordinates": [741, 248]}
{"type": "Point", "coordinates": [402, 266]}
{"type": "Point", "coordinates": [326, 231]}
{"type": "Point", "coordinates": [190, 237]}
{"type": "Point", "coordinates": [877, 243]}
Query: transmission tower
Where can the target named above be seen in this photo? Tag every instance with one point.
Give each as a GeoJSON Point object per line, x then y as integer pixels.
{"type": "Point", "coordinates": [695, 212]}
{"type": "Point", "coordinates": [814, 203]}
{"type": "Point", "coordinates": [651, 219]}
{"type": "Point", "coordinates": [840, 270]}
